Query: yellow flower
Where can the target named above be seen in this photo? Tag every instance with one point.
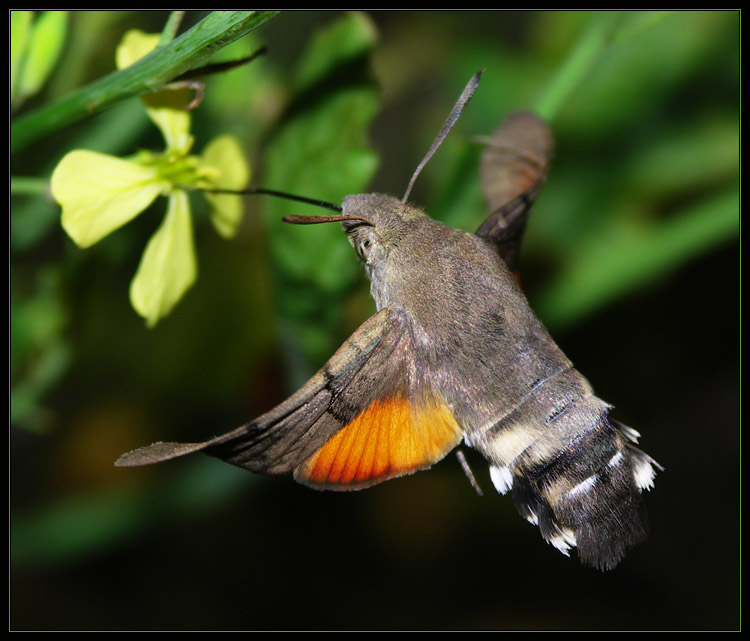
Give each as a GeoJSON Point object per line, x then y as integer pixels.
{"type": "Point", "coordinates": [168, 267]}
{"type": "Point", "coordinates": [99, 193]}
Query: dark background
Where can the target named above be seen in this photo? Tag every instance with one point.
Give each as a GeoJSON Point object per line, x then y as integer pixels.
{"type": "Point", "coordinates": [197, 544]}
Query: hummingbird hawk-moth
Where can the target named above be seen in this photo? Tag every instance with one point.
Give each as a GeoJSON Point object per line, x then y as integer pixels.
{"type": "Point", "coordinates": [454, 353]}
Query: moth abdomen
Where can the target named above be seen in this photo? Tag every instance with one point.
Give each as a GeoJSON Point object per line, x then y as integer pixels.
{"type": "Point", "coordinates": [579, 480]}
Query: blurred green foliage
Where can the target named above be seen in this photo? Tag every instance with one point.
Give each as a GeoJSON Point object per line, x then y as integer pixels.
{"type": "Point", "coordinates": [645, 110]}
{"type": "Point", "coordinates": [321, 149]}
{"type": "Point", "coordinates": [35, 47]}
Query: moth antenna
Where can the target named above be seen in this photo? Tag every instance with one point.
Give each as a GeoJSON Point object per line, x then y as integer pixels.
{"type": "Point", "coordinates": [314, 220]}
{"type": "Point", "coordinates": [463, 100]}
{"type": "Point", "coordinates": [272, 192]}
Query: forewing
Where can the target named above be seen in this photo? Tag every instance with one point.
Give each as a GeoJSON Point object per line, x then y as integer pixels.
{"type": "Point", "coordinates": [365, 417]}
{"type": "Point", "coordinates": [513, 169]}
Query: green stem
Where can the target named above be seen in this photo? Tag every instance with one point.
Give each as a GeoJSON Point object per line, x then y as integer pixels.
{"type": "Point", "coordinates": [28, 186]}
{"type": "Point", "coordinates": [596, 39]}
{"type": "Point", "coordinates": [170, 29]}
{"type": "Point", "coordinates": [151, 73]}
{"type": "Point", "coordinates": [644, 21]}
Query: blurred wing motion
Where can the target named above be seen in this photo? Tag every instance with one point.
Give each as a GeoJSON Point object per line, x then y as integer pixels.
{"type": "Point", "coordinates": [513, 169]}
{"type": "Point", "coordinates": [363, 418]}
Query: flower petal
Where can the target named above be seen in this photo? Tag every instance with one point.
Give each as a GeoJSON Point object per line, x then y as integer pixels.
{"type": "Point", "coordinates": [168, 266]}
{"type": "Point", "coordinates": [223, 157]}
{"type": "Point", "coordinates": [174, 123]}
{"type": "Point", "coordinates": [175, 127]}
{"type": "Point", "coordinates": [135, 44]}
{"type": "Point", "coordinates": [99, 193]}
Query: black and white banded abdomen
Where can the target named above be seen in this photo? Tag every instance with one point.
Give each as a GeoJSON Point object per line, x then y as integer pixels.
{"type": "Point", "coordinates": [572, 471]}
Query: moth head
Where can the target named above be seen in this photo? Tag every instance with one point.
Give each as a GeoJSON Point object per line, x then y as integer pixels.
{"type": "Point", "coordinates": [376, 224]}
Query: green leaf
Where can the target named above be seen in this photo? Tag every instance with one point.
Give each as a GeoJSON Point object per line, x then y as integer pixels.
{"type": "Point", "coordinates": [682, 158]}
{"type": "Point", "coordinates": [321, 152]}
{"type": "Point", "coordinates": [20, 28]}
{"type": "Point", "coordinates": [587, 52]}
{"type": "Point", "coordinates": [626, 80]}
{"type": "Point", "coordinates": [168, 266]}
{"type": "Point", "coordinates": [344, 41]}
{"type": "Point", "coordinates": [39, 353]}
{"type": "Point", "coordinates": [623, 259]}
{"type": "Point", "coordinates": [43, 50]}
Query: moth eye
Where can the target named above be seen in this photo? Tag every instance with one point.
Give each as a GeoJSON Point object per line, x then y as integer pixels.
{"type": "Point", "coordinates": [363, 248]}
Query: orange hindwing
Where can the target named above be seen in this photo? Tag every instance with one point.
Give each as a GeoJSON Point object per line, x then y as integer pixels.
{"type": "Point", "coordinates": [392, 437]}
